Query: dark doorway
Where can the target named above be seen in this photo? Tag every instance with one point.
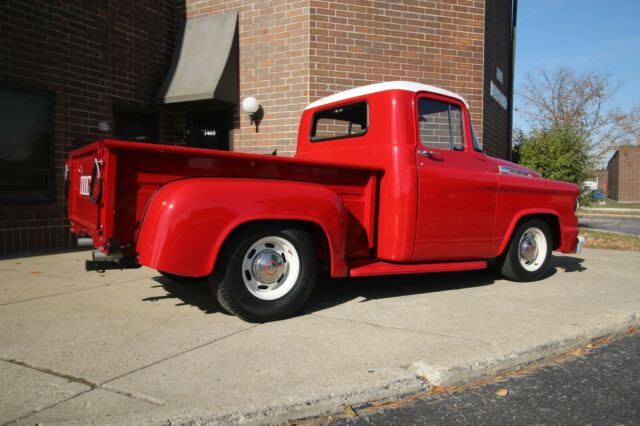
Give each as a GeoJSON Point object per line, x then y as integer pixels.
{"type": "Point", "coordinates": [210, 128]}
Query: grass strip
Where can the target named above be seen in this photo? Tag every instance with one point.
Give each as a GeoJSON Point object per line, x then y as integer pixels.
{"type": "Point", "coordinates": [610, 241]}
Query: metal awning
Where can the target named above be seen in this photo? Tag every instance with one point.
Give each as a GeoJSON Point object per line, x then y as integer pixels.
{"type": "Point", "coordinates": [205, 61]}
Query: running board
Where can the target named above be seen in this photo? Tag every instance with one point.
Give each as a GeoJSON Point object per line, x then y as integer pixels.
{"type": "Point", "coordinates": [369, 268]}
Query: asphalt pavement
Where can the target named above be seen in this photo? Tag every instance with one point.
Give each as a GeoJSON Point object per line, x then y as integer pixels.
{"type": "Point", "coordinates": [599, 388]}
{"type": "Point", "coordinates": [626, 225]}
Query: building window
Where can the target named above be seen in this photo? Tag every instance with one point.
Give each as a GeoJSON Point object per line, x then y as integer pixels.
{"type": "Point", "coordinates": [340, 122]}
{"type": "Point", "coordinates": [26, 166]}
{"type": "Point", "coordinates": [440, 125]}
{"type": "Point", "coordinates": [134, 126]}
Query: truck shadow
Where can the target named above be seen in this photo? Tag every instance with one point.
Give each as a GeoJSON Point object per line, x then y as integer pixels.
{"type": "Point", "coordinates": [330, 292]}
{"type": "Point", "coordinates": [196, 294]}
{"type": "Point", "coordinates": [566, 264]}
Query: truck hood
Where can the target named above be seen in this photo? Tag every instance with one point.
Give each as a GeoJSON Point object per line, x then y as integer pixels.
{"type": "Point", "coordinates": [507, 167]}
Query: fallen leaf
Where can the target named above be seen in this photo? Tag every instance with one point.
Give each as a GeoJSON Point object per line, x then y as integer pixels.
{"type": "Point", "coordinates": [579, 352]}
{"type": "Point", "coordinates": [590, 346]}
{"type": "Point", "coordinates": [37, 272]}
{"type": "Point", "coordinates": [502, 392]}
{"type": "Point", "coordinates": [437, 390]}
{"type": "Point", "coordinates": [349, 411]}
{"type": "Point", "coordinates": [630, 330]}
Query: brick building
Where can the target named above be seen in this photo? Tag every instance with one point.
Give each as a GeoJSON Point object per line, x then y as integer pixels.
{"type": "Point", "coordinates": [623, 180]}
{"type": "Point", "coordinates": [175, 71]}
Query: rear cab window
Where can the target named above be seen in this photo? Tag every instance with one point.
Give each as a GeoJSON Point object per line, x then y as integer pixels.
{"type": "Point", "coordinates": [339, 122]}
{"type": "Point", "coordinates": [440, 125]}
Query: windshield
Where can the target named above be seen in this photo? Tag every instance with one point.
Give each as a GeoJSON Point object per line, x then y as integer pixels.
{"type": "Point", "coordinates": [476, 142]}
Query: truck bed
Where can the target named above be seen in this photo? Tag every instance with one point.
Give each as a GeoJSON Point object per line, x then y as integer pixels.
{"type": "Point", "coordinates": [131, 173]}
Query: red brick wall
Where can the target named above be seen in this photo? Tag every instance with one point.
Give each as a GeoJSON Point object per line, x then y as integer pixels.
{"type": "Point", "coordinates": [356, 42]}
{"type": "Point", "coordinates": [92, 56]}
{"type": "Point", "coordinates": [274, 67]}
{"type": "Point", "coordinates": [97, 56]}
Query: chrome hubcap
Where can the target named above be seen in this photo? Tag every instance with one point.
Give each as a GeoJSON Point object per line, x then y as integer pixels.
{"type": "Point", "coordinates": [528, 247]}
{"type": "Point", "coordinates": [532, 250]}
{"type": "Point", "coordinates": [268, 266]}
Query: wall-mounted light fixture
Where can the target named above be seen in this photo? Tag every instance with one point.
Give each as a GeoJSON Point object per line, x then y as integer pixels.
{"type": "Point", "coordinates": [103, 126]}
{"type": "Point", "coordinates": [251, 106]}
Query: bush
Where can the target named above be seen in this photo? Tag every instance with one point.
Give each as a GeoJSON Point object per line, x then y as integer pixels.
{"type": "Point", "coordinates": [558, 153]}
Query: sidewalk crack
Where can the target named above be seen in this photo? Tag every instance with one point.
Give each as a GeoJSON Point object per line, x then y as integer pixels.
{"type": "Point", "coordinates": [68, 377]}
{"type": "Point", "coordinates": [195, 348]}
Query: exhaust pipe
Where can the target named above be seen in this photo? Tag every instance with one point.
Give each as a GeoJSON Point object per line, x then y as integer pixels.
{"type": "Point", "coordinates": [99, 256]}
{"type": "Point", "coordinates": [85, 242]}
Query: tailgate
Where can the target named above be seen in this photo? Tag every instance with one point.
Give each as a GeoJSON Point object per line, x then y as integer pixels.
{"type": "Point", "coordinates": [87, 196]}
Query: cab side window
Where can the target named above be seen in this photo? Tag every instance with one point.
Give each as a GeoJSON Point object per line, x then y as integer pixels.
{"type": "Point", "coordinates": [440, 125]}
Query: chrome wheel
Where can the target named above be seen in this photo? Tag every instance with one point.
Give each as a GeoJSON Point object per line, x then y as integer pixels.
{"type": "Point", "coordinates": [270, 268]}
{"type": "Point", "coordinates": [532, 249]}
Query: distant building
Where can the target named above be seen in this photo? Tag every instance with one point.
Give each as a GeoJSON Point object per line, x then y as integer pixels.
{"type": "Point", "coordinates": [624, 175]}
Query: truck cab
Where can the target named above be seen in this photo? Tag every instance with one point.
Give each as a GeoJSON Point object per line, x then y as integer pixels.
{"type": "Point", "coordinates": [441, 197]}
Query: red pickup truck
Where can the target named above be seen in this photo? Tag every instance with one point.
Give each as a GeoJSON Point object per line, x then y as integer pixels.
{"type": "Point", "coordinates": [387, 179]}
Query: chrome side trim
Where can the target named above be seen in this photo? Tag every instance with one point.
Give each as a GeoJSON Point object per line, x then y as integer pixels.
{"type": "Point", "coordinates": [506, 170]}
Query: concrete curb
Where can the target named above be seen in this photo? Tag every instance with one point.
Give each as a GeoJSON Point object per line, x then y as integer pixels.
{"type": "Point", "coordinates": [608, 209]}
{"type": "Point", "coordinates": [366, 386]}
{"type": "Point", "coordinates": [446, 375]}
{"type": "Point", "coordinates": [610, 215]}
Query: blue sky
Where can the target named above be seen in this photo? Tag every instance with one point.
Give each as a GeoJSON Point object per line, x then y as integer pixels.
{"type": "Point", "coordinates": [587, 35]}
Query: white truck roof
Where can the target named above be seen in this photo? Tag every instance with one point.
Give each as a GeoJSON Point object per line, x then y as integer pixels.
{"type": "Point", "coordinates": [380, 87]}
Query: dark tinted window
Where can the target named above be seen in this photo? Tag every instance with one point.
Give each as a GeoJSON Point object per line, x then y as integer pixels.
{"type": "Point", "coordinates": [440, 125]}
{"type": "Point", "coordinates": [25, 146]}
{"type": "Point", "coordinates": [340, 122]}
{"type": "Point", "coordinates": [132, 126]}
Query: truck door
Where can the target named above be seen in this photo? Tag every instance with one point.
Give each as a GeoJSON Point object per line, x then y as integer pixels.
{"type": "Point", "coordinates": [456, 193]}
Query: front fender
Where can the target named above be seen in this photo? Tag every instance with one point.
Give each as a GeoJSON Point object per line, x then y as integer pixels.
{"type": "Point", "coordinates": [517, 217]}
{"type": "Point", "coordinates": [188, 220]}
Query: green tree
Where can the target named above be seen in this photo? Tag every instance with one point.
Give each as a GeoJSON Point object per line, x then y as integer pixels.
{"type": "Point", "coordinates": [560, 153]}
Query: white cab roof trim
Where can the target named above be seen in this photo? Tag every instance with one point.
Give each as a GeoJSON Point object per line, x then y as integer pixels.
{"type": "Point", "coordinates": [380, 87]}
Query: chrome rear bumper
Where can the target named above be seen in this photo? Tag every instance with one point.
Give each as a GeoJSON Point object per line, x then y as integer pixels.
{"type": "Point", "coordinates": [580, 245]}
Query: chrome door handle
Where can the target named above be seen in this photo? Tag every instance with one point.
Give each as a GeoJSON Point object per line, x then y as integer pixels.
{"type": "Point", "coordinates": [427, 153]}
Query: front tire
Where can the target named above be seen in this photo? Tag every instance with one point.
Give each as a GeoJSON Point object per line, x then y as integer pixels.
{"type": "Point", "coordinates": [527, 257]}
{"type": "Point", "coordinates": [270, 271]}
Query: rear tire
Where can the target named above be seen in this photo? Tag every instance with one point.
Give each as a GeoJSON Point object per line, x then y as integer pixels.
{"type": "Point", "coordinates": [527, 257]}
{"type": "Point", "coordinates": [181, 279]}
{"type": "Point", "coordinates": [268, 272]}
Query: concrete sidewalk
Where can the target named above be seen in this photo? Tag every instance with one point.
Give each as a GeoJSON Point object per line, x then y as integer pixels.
{"type": "Point", "coordinates": [129, 347]}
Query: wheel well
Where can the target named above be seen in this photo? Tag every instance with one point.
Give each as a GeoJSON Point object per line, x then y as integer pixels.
{"type": "Point", "coordinates": [316, 232]}
{"type": "Point", "coordinates": [553, 223]}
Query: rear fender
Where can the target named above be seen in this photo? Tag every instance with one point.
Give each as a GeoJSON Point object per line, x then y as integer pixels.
{"type": "Point", "coordinates": [188, 221]}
